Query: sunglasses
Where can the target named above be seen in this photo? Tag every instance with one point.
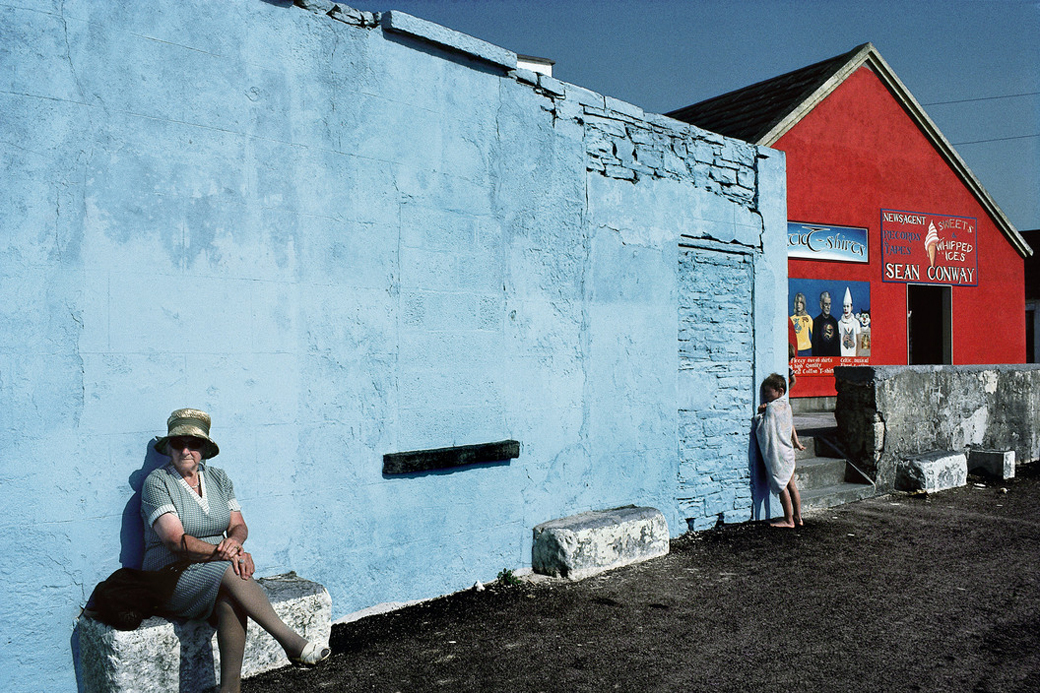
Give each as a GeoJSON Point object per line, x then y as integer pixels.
{"type": "Point", "coordinates": [186, 442]}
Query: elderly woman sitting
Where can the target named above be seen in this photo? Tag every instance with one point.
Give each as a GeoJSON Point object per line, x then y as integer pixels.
{"type": "Point", "coordinates": [191, 516]}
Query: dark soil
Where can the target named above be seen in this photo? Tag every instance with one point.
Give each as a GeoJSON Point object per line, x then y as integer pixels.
{"type": "Point", "coordinates": [898, 593]}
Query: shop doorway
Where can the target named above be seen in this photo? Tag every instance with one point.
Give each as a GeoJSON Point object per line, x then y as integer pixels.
{"type": "Point", "coordinates": [928, 325]}
{"type": "Point", "coordinates": [1031, 335]}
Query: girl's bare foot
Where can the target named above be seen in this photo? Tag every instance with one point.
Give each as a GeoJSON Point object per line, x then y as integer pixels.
{"type": "Point", "coordinates": [788, 524]}
{"type": "Point", "coordinates": [798, 522]}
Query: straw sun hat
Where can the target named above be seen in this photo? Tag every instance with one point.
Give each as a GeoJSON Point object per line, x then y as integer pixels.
{"type": "Point", "coordinates": [188, 422]}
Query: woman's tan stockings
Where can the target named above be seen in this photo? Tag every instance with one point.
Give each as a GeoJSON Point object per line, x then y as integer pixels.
{"type": "Point", "coordinates": [239, 598]}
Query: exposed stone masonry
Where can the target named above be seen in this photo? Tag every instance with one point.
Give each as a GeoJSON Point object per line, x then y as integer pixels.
{"type": "Point", "coordinates": [622, 141]}
{"type": "Point", "coordinates": [715, 379]}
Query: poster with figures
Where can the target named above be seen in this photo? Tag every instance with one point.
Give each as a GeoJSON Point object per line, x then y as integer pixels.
{"type": "Point", "coordinates": [828, 325]}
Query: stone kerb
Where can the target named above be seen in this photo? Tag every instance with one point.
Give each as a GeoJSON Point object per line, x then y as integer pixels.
{"type": "Point", "coordinates": [182, 656]}
{"type": "Point", "coordinates": [586, 544]}
{"type": "Point", "coordinates": [997, 463]}
{"type": "Point", "coordinates": [932, 472]}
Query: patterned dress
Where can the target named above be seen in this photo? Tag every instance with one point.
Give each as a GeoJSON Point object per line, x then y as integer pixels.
{"type": "Point", "coordinates": [204, 517]}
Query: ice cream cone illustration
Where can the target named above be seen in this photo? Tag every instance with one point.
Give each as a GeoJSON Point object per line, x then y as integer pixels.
{"type": "Point", "coordinates": [930, 243]}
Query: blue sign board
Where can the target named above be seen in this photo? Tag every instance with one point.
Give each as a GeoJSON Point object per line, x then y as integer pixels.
{"type": "Point", "coordinates": [823, 242]}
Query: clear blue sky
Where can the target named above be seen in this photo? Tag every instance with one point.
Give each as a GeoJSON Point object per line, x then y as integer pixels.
{"type": "Point", "coordinates": [664, 54]}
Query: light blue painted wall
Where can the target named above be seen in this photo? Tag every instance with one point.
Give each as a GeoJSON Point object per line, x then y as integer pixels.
{"type": "Point", "coordinates": [342, 239]}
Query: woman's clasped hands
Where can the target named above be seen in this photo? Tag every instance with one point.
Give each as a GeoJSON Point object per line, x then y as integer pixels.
{"type": "Point", "coordinates": [241, 561]}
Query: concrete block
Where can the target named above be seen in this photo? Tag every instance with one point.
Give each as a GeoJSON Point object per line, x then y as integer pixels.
{"type": "Point", "coordinates": [981, 407]}
{"type": "Point", "coordinates": [931, 472]}
{"type": "Point", "coordinates": [182, 656]}
{"type": "Point", "coordinates": [589, 543]}
{"type": "Point", "coordinates": [998, 463]}
{"type": "Point", "coordinates": [551, 85]}
{"type": "Point", "coordinates": [524, 76]}
{"type": "Point", "coordinates": [620, 172]}
{"type": "Point", "coordinates": [620, 106]}
{"type": "Point", "coordinates": [316, 6]}
{"type": "Point", "coordinates": [583, 96]}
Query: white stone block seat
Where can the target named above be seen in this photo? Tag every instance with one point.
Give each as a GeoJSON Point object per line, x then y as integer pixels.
{"type": "Point", "coordinates": [582, 545]}
{"type": "Point", "coordinates": [162, 655]}
{"type": "Point", "coordinates": [934, 471]}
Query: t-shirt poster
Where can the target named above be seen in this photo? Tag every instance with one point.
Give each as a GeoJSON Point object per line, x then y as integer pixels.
{"type": "Point", "coordinates": [829, 325]}
{"type": "Point", "coordinates": [827, 242]}
{"type": "Point", "coordinates": [924, 248]}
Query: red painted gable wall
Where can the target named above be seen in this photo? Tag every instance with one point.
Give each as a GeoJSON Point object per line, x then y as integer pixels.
{"type": "Point", "coordinates": [858, 152]}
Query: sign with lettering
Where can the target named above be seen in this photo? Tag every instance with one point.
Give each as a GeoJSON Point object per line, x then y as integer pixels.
{"type": "Point", "coordinates": [824, 242]}
{"type": "Point", "coordinates": [929, 248]}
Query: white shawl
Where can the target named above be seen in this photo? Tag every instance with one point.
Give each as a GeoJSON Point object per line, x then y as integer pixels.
{"type": "Point", "coordinates": [773, 433]}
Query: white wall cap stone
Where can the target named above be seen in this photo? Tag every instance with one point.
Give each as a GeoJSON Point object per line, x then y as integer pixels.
{"type": "Point", "coordinates": [525, 76]}
{"type": "Point", "coordinates": [551, 85]}
{"type": "Point", "coordinates": [628, 109]}
{"type": "Point", "coordinates": [585, 97]}
{"type": "Point", "coordinates": [401, 22]}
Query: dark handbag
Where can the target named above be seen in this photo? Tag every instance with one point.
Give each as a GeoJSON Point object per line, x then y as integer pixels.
{"type": "Point", "coordinates": [128, 596]}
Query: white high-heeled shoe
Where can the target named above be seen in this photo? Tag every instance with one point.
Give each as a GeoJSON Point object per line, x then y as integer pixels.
{"type": "Point", "coordinates": [312, 654]}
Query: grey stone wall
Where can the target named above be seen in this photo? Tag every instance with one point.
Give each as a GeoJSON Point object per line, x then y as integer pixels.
{"type": "Point", "coordinates": [885, 413]}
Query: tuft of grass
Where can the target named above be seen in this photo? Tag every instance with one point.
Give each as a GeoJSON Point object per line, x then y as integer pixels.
{"type": "Point", "coordinates": [506, 578]}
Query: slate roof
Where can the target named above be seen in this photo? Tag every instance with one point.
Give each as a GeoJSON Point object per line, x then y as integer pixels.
{"type": "Point", "coordinates": [750, 113]}
{"type": "Point", "coordinates": [763, 112]}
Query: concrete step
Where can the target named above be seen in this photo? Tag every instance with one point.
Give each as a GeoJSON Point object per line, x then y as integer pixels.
{"type": "Point", "coordinates": [836, 494]}
{"type": "Point", "coordinates": [821, 473]}
{"type": "Point", "coordinates": [818, 472]}
{"type": "Point", "coordinates": [817, 444]}
{"type": "Point", "coordinates": [810, 448]}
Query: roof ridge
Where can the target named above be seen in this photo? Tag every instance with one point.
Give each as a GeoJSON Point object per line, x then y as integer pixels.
{"type": "Point", "coordinates": [752, 111]}
{"type": "Point", "coordinates": [808, 68]}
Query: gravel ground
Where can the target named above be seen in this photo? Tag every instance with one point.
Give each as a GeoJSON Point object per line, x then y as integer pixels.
{"type": "Point", "coordinates": [933, 592]}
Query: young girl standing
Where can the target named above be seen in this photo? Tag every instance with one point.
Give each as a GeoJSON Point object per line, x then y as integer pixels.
{"type": "Point", "coordinates": [777, 440]}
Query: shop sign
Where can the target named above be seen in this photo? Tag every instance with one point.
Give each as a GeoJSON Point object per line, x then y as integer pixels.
{"type": "Point", "coordinates": [929, 248]}
{"type": "Point", "coordinates": [821, 242]}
